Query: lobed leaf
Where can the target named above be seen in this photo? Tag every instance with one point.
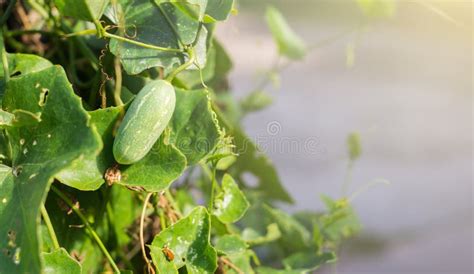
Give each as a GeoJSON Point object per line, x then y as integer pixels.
{"type": "Point", "coordinates": [189, 240]}
{"type": "Point", "coordinates": [39, 152]}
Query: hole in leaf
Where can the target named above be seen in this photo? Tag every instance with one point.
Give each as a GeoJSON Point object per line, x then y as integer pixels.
{"type": "Point", "coordinates": [16, 73]}
{"type": "Point", "coordinates": [43, 96]}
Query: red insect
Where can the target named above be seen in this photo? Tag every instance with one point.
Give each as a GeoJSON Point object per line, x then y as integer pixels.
{"type": "Point", "coordinates": [168, 253]}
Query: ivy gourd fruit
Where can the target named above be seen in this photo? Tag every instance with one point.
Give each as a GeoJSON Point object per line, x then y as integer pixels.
{"type": "Point", "coordinates": [144, 122]}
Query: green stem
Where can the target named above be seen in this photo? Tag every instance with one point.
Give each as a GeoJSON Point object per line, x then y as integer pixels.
{"type": "Point", "coordinates": [118, 82]}
{"type": "Point", "coordinates": [89, 227]}
{"type": "Point", "coordinates": [49, 226]}
{"type": "Point", "coordinates": [191, 56]}
{"type": "Point", "coordinates": [143, 45]}
{"type": "Point", "coordinates": [7, 12]}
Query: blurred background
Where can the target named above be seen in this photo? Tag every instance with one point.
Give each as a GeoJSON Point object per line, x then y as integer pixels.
{"type": "Point", "coordinates": [404, 82]}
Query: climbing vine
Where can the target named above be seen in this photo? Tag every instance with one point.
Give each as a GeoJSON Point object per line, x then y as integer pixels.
{"type": "Point", "coordinates": [121, 147]}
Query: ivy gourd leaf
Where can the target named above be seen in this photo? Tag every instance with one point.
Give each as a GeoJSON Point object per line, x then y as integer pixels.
{"type": "Point", "coordinates": [231, 244]}
{"type": "Point", "coordinates": [38, 153]}
{"type": "Point", "coordinates": [145, 22]}
{"type": "Point", "coordinates": [189, 240]}
{"type": "Point", "coordinates": [218, 10]}
{"type": "Point", "coordinates": [59, 261]}
{"type": "Point", "coordinates": [160, 167]}
{"type": "Point", "coordinates": [195, 7]}
{"type": "Point", "coordinates": [87, 173]}
{"type": "Point", "coordinates": [21, 64]}
{"type": "Point", "coordinates": [193, 129]}
{"type": "Point", "coordinates": [288, 42]}
{"type": "Point", "coordinates": [230, 204]}
{"type": "Point", "coordinates": [294, 235]}
{"type": "Point", "coordinates": [308, 261]}
{"type": "Point", "coordinates": [252, 160]}
{"type": "Point", "coordinates": [89, 10]}
{"type": "Point", "coordinates": [253, 237]}
{"type": "Point", "coordinates": [184, 24]}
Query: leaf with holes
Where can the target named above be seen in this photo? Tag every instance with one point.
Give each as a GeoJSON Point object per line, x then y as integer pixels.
{"type": "Point", "coordinates": [87, 173]}
{"type": "Point", "coordinates": [230, 204]}
{"type": "Point", "coordinates": [188, 239]}
{"type": "Point", "coordinates": [38, 153]}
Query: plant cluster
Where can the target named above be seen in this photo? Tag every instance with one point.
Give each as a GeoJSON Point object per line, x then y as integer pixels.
{"type": "Point", "coordinates": [121, 146]}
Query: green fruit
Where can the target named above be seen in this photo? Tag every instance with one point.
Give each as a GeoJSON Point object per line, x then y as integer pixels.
{"type": "Point", "coordinates": [144, 122]}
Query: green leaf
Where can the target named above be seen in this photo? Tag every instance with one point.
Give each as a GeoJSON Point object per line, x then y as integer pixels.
{"type": "Point", "coordinates": [255, 101]}
{"type": "Point", "coordinates": [218, 10]}
{"type": "Point", "coordinates": [231, 244]}
{"type": "Point", "coordinates": [146, 23]}
{"type": "Point", "coordinates": [59, 261]}
{"type": "Point", "coordinates": [185, 25]}
{"type": "Point", "coordinates": [353, 146]}
{"type": "Point", "coordinates": [18, 118]}
{"type": "Point", "coordinates": [89, 10]}
{"type": "Point", "coordinates": [340, 221]}
{"type": "Point", "coordinates": [189, 240]}
{"type": "Point", "coordinates": [308, 261]}
{"type": "Point", "coordinates": [193, 129]}
{"type": "Point", "coordinates": [230, 204]}
{"type": "Point", "coordinates": [252, 160]}
{"type": "Point", "coordinates": [196, 8]}
{"type": "Point", "coordinates": [38, 153]}
{"type": "Point", "coordinates": [154, 173]}
{"type": "Point", "coordinates": [378, 8]}
{"type": "Point", "coordinates": [288, 42]}
{"type": "Point", "coordinates": [294, 235]}
{"type": "Point", "coordinates": [253, 237]}
{"type": "Point", "coordinates": [87, 173]}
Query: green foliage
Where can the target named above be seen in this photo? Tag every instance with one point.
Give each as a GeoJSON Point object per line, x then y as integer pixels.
{"type": "Point", "coordinates": [288, 42]}
{"type": "Point", "coordinates": [128, 181]}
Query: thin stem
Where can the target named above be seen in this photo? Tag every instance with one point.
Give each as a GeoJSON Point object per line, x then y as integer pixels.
{"type": "Point", "coordinates": [80, 33]}
{"type": "Point", "coordinates": [7, 12]}
{"type": "Point", "coordinates": [191, 56]}
{"type": "Point", "coordinates": [89, 227]}
{"type": "Point", "coordinates": [144, 45]}
{"type": "Point", "coordinates": [142, 225]}
{"type": "Point", "coordinates": [231, 265]}
{"type": "Point", "coordinates": [118, 82]}
{"type": "Point", "coordinates": [49, 226]}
